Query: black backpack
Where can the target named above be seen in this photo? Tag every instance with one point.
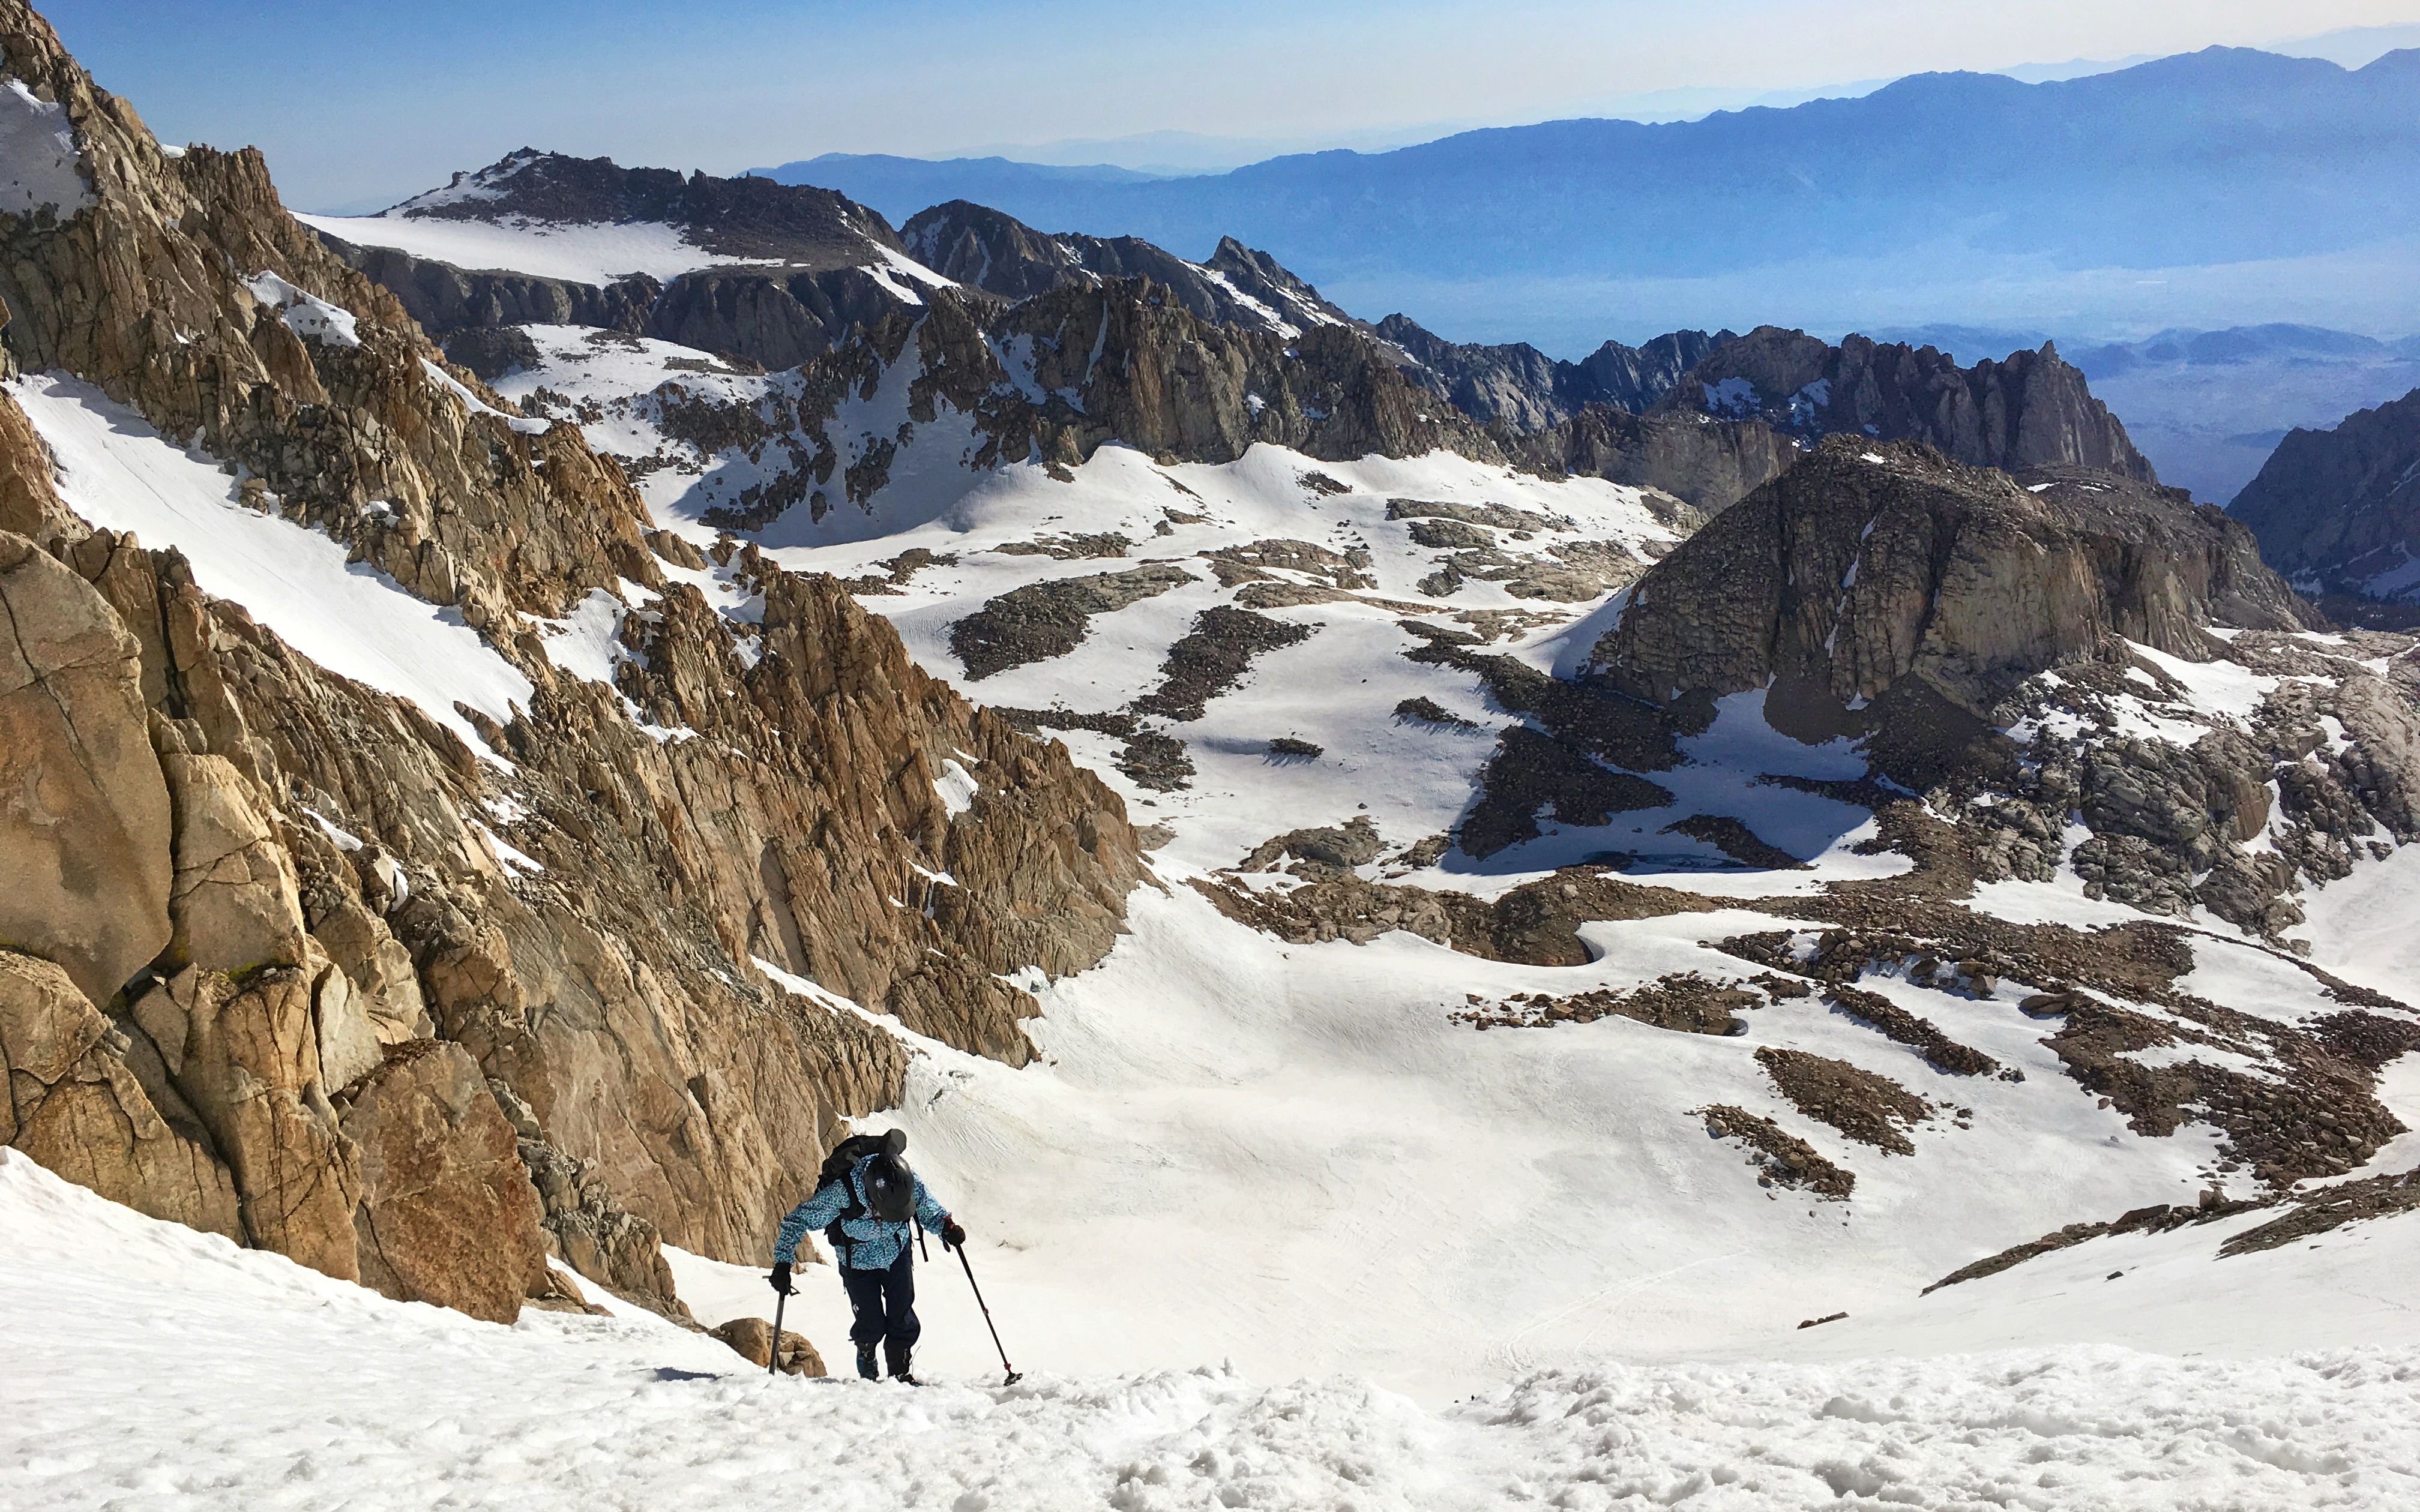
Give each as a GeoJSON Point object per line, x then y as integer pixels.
{"type": "Point", "coordinates": [842, 1160]}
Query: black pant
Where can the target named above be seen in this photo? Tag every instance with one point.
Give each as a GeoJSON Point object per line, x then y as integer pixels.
{"type": "Point", "coordinates": [885, 1303]}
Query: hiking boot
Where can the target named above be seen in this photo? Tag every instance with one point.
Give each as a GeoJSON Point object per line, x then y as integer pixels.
{"type": "Point", "coordinates": [900, 1366]}
{"type": "Point", "coordinates": [865, 1363]}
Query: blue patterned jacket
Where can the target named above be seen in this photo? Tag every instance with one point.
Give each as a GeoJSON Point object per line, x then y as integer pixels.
{"type": "Point", "coordinates": [874, 1244]}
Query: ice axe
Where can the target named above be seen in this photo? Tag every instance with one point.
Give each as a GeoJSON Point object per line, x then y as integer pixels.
{"type": "Point", "coordinates": [1015, 1375]}
{"type": "Point", "coordinates": [773, 1366]}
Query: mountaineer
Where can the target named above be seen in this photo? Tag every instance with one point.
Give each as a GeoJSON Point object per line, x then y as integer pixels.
{"type": "Point", "coordinates": [864, 1198]}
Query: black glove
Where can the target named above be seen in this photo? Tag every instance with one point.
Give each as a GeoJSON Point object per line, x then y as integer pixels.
{"type": "Point", "coordinates": [780, 1280]}
{"type": "Point", "coordinates": [952, 1237]}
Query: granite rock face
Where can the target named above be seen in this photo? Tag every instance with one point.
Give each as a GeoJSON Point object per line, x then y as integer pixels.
{"type": "Point", "coordinates": [2033, 409]}
{"type": "Point", "coordinates": [2338, 511]}
{"type": "Point", "coordinates": [165, 292]}
{"type": "Point", "coordinates": [1521, 388]}
{"type": "Point", "coordinates": [84, 823]}
{"type": "Point", "coordinates": [447, 1212]}
{"type": "Point", "coordinates": [76, 1099]}
{"type": "Point", "coordinates": [319, 973]}
{"type": "Point", "coordinates": [1871, 569]}
{"type": "Point", "coordinates": [1711, 464]}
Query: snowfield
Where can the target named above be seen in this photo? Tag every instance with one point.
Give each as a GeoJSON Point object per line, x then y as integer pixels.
{"type": "Point", "coordinates": [1491, 1269]}
{"type": "Point", "coordinates": [578, 253]}
{"type": "Point", "coordinates": [351, 1400]}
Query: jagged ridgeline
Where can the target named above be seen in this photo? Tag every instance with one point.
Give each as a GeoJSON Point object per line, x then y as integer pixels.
{"type": "Point", "coordinates": [1048, 346]}
{"type": "Point", "coordinates": [420, 990]}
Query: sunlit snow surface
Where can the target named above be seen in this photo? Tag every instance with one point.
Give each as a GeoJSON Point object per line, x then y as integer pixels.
{"type": "Point", "coordinates": [40, 162]}
{"type": "Point", "coordinates": [599, 254]}
{"type": "Point", "coordinates": [1292, 1156]}
{"type": "Point", "coordinates": [153, 1367]}
{"type": "Point", "coordinates": [1289, 1157]}
{"type": "Point", "coordinates": [352, 618]}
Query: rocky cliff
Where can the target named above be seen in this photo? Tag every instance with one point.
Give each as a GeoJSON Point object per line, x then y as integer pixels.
{"type": "Point", "coordinates": [2033, 409]}
{"type": "Point", "coordinates": [1524, 389]}
{"type": "Point", "coordinates": [2024, 649]}
{"type": "Point", "coordinates": [2338, 511]}
{"type": "Point", "coordinates": [419, 995]}
{"type": "Point", "coordinates": [763, 272]}
{"type": "Point", "coordinates": [1871, 571]}
{"type": "Point", "coordinates": [1711, 463]}
{"type": "Point", "coordinates": [1000, 254]}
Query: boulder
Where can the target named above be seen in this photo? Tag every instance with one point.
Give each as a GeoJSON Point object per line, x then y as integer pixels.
{"type": "Point", "coordinates": [83, 812]}
{"type": "Point", "coordinates": [245, 1053]}
{"type": "Point", "coordinates": [236, 903]}
{"type": "Point", "coordinates": [70, 1100]}
{"type": "Point", "coordinates": [752, 1338]}
{"type": "Point", "coordinates": [447, 1213]}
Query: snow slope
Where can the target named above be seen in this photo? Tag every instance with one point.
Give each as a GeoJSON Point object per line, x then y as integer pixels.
{"type": "Point", "coordinates": [265, 1385]}
{"type": "Point", "coordinates": [117, 472]}
{"type": "Point", "coordinates": [1296, 1158]}
{"type": "Point", "coordinates": [580, 254]}
{"type": "Point", "coordinates": [1293, 1156]}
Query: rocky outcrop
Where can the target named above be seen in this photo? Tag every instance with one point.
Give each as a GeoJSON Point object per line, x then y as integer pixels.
{"type": "Point", "coordinates": [2338, 511]}
{"type": "Point", "coordinates": [775, 318]}
{"type": "Point", "coordinates": [1044, 620]}
{"type": "Point", "coordinates": [447, 1212]}
{"type": "Point", "coordinates": [2032, 410]}
{"type": "Point", "coordinates": [84, 823]}
{"type": "Point", "coordinates": [1711, 464]}
{"type": "Point", "coordinates": [771, 316]}
{"type": "Point", "coordinates": [1523, 389]}
{"type": "Point", "coordinates": [165, 293]}
{"type": "Point", "coordinates": [1892, 580]}
{"type": "Point", "coordinates": [358, 971]}
{"type": "Point", "coordinates": [29, 502]}
{"type": "Point", "coordinates": [445, 298]}
{"type": "Point", "coordinates": [76, 1101]}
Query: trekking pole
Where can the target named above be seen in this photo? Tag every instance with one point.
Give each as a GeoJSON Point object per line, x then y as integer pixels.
{"type": "Point", "coordinates": [1015, 1375]}
{"type": "Point", "coordinates": [773, 1366]}
{"type": "Point", "coordinates": [922, 1249]}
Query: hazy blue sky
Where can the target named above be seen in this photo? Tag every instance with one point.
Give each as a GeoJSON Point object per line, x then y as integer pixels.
{"type": "Point", "coordinates": [360, 103]}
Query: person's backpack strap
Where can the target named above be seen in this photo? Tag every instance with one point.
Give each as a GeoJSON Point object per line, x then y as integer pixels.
{"type": "Point", "coordinates": [838, 1166]}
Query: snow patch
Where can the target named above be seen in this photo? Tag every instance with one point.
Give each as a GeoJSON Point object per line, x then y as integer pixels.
{"type": "Point", "coordinates": [40, 162]}
{"type": "Point", "coordinates": [956, 788]}
{"type": "Point", "coordinates": [597, 254]}
{"type": "Point", "coordinates": [116, 472]}
{"type": "Point", "coordinates": [524, 424]}
{"type": "Point", "coordinates": [307, 316]}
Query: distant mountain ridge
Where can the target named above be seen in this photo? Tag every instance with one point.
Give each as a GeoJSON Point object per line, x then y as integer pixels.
{"type": "Point", "coordinates": [1000, 254]}
{"type": "Point", "coordinates": [1705, 418]}
{"type": "Point", "coordinates": [754, 218]}
{"type": "Point", "coordinates": [2223, 156]}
